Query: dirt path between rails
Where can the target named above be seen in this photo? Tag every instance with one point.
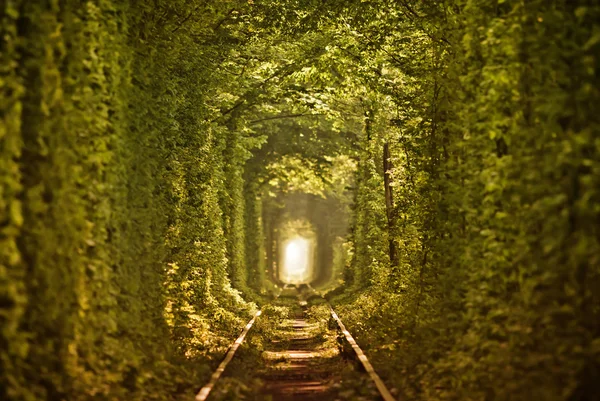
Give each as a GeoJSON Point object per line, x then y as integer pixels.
{"type": "Point", "coordinates": [302, 363]}
{"type": "Point", "coordinates": [294, 353]}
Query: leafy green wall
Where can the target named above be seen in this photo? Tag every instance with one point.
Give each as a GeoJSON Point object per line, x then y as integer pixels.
{"type": "Point", "coordinates": [113, 279]}
{"type": "Point", "coordinates": [493, 139]}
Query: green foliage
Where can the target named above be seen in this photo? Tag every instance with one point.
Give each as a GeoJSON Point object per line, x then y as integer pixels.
{"type": "Point", "coordinates": [495, 175]}
{"type": "Point", "coordinates": [12, 289]}
{"type": "Point", "coordinates": [113, 263]}
{"type": "Point", "coordinates": [149, 154]}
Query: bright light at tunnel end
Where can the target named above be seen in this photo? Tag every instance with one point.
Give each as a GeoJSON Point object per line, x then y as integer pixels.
{"type": "Point", "coordinates": [297, 261]}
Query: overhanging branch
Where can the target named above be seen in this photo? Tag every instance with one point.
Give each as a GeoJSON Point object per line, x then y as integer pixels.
{"type": "Point", "coordinates": [284, 116]}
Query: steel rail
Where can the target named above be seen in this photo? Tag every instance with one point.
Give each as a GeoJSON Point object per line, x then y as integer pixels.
{"type": "Point", "coordinates": [205, 391]}
{"type": "Point", "coordinates": [381, 387]}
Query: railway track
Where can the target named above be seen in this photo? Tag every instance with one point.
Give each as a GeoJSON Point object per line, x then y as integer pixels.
{"type": "Point", "coordinates": [308, 356]}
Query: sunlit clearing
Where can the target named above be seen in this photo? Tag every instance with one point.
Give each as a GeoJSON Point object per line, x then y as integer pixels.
{"type": "Point", "coordinates": [297, 261]}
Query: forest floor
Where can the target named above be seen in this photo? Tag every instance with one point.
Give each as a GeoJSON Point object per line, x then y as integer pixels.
{"type": "Point", "coordinates": [294, 353]}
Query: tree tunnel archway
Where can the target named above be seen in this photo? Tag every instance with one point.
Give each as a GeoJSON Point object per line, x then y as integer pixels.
{"type": "Point", "coordinates": [297, 244]}
{"type": "Point", "coordinates": [151, 154]}
{"type": "Point", "coordinates": [319, 225]}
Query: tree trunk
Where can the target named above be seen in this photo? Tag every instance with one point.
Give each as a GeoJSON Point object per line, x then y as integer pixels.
{"type": "Point", "coordinates": [389, 204]}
